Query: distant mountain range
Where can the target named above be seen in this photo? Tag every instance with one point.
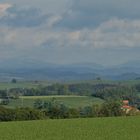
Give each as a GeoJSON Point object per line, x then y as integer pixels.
{"type": "Point", "coordinates": [79, 71]}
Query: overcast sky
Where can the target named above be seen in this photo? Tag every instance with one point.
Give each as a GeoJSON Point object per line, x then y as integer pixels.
{"type": "Point", "coordinates": [106, 32]}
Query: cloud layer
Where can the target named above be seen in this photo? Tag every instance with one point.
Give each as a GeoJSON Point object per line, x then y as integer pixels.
{"type": "Point", "coordinates": [90, 31]}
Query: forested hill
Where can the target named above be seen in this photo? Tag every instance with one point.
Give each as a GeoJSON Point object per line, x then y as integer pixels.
{"type": "Point", "coordinates": [82, 71]}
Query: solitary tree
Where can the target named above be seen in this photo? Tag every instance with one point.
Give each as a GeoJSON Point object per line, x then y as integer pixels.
{"type": "Point", "coordinates": [13, 80]}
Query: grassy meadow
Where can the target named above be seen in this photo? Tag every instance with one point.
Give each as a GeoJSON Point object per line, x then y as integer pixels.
{"type": "Point", "coordinates": [6, 85]}
{"type": "Point", "coordinates": [70, 101]}
{"type": "Point", "coordinates": [119, 128]}
{"type": "Point", "coordinates": [23, 84]}
{"type": "Point", "coordinates": [33, 84]}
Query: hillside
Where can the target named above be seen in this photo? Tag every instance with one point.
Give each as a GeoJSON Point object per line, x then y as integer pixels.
{"type": "Point", "coordinates": [125, 128]}
{"type": "Point", "coordinates": [67, 72]}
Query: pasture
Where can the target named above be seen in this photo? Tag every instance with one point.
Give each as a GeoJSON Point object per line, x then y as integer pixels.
{"type": "Point", "coordinates": [23, 84]}
{"type": "Point", "coordinates": [33, 84]}
{"type": "Point", "coordinates": [70, 101]}
{"type": "Point", "coordinates": [6, 85]}
{"type": "Point", "coordinates": [119, 128]}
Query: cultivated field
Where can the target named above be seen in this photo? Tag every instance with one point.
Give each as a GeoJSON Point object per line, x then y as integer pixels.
{"type": "Point", "coordinates": [121, 128]}
{"type": "Point", "coordinates": [26, 84]}
{"type": "Point", "coordinates": [17, 85]}
{"type": "Point", "coordinates": [31, 84]}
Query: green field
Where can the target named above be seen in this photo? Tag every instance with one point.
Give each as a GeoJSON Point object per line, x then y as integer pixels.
{"type": "Point", "coordinates": [26, 84]}
{"type": "Point", "coordinates": [70, 101]}
{"type": "Point", "coordinates": [32, 84]}
{"type": "Point", "coordinates": [17, 85]}
{"type": "Point", "coordinates": [121, 128]}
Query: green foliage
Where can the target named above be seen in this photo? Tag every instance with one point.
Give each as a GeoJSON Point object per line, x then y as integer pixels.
{"type": "Point", "coordinates": [137, 86]}
{"type": "Point", "coordinates": [64, 107]}
{"type": "Point", "coordinates": [113, 92]}
{"type": "Point", "coordinates": [4, 101]}
{"type": "Point", "coordinates": [68, 100]}
{"type": "Point", "coordinates": [101, 90]}
{"type": "Point", "coordinates": [55, 109]}
{"type": "Point", "coordinates": [111, 108]}
{"type": "Point", "coordinates": [14, 80]}
{"type": "Point", "coordinates": [28, 114]}
{"type": "Point", "coordinates": [3, 94]}
{"type": "Point", "coordinates": [6, 114]}
{"type": "Point", "coordinates": [20, 114]}
{"type": "Point", "coordinates": [39, 104]}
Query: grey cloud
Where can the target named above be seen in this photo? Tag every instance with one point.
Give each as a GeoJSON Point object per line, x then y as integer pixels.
{"type": "Point", "coordinates": [116, 32]}
{"type": "Point", "coordinates": [23, 17]}
{"type": "Point", "coordinates": [47, 6]}
{"type": "Point", "coordinates": [91, 13]}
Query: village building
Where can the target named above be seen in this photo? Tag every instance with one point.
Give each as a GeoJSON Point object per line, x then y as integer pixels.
{"type": "Point", "coordinates": [127, 108]}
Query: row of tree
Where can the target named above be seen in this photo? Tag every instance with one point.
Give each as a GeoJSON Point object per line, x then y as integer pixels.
{"type": "Point", "coordinates": [66, 89]}
{"type": "Point", "coordinates": [118, 93]}
{"type": "Point", "coordinates": [20, 114]}
{"type": "Point", "coordinates": [103, 91]}
{"type": "Point", "coordinates": [55, 110]}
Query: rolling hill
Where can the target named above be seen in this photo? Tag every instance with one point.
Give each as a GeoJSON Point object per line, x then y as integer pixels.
{"type": "Point", "coordinates": [79, 71]}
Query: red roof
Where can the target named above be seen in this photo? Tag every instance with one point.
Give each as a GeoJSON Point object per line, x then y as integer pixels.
{"type": "Point", "coordinates": [127, 107]}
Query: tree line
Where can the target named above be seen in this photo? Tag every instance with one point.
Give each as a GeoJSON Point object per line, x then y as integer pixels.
{"type": "Point", "coordinates": [55, 110]}
{"type": "Point", "coordinates": [100, 90]}
{"type": "Point", "coordinates": [70, 89]}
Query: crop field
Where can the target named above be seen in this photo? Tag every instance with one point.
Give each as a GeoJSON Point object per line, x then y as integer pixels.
{"type": "Point", "coordinates": [70, 101]}
{"type": "Point", "coordinates": [22, 84]}
{"type": "Point", "coordinates": [32, 84]}
{"type": "Point", "coordinates": [17, 85]}
{"type": "Point", "coordinates": [125, 82]}
{"type": "Point", "coordinates": [120, 128]}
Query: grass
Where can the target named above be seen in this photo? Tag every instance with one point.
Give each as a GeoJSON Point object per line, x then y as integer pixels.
{"type": "Point", "coordinates": [125, 82]}
{"type": "Point", "coordinates": [54, 96]}
{"type": "Point", "coordinates": [121, 128]}
{"type": "Point", "coordinates": [17, 85]}
{"type": "Point", "coordinates": [23, 84]}
{"type": "Point", "coordinates": [32, 84]}
{"type": "Point", "coordinates": [70, 101]}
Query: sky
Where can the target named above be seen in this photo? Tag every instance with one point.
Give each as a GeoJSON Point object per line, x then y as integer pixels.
{"type": "Point", "coordinates": [69, 31]}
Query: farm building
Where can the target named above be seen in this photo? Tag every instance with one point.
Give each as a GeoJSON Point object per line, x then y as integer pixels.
{"type": "Point", "coordinates": [127, 108]}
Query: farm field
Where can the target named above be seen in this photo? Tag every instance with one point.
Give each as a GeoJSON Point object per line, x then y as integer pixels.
{"type": "Point", "coordinates": [32, 84]}
{"type": "Point", "coordinates": [23, 84]}
{"type": "Point", "coordinates": [17, 85]}
{"type": "Point", "coordinates": [124, 82]}
{"type": "Point", "coordinates": [70, 101]}
{"type": "Point", "coordinates": [119, 128]}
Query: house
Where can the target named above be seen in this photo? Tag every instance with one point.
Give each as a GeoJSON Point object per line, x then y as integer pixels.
{"type": "Point", "coordinates": [129, 109]}
{"type": "Point", "coordinates": [126, 107]}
